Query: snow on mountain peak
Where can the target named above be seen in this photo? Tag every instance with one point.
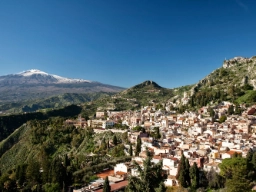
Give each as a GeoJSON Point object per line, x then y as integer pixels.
{"type": "Point", "coordinates": [32, 72]}
{"type": "Point", "coordinates": [58, 78]}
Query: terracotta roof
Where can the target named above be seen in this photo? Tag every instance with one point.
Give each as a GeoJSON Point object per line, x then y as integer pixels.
{"type": "Point", "coordinates": [173, 158]}
{"type": "Point", "coordinates": [104, 174]}
{"type": "Point", "coordinates": [120, 173]}
{"type": "Point", "coordinates": [233, 152]}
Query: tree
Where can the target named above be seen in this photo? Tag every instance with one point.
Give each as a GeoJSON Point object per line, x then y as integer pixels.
{"type": "Point", "coordinates": [191, 102]}
{"type": "Point", "coordinates": [253, 160]}
{"type": "Point", "coordinates": [249, 158]}
{"type": "Point", "coordinates": [182, 178]}
{"type": "Point", "coordinates": [32, 172]}
{"type": "Point", "coordinates": [149, 178]}
{"type": "Point", "coordinates": [51, 187]}
{"type": "Point", "coordinates": [103, 144]}
{"type": "Point", "coordinates": [106, 186]}
{"type": "Point", "coordinates": [161, 187]}
{"type": "Point", "coordinates": [194, 175]}
{"type": "Point", "coordinates": [212, 113]}
{"type": "Point", "coordinates": [238, 184]}
{"type": "Point", "coordinates": [223, 118]}
{"type": "Point", "coordinates": [238, 110]}
{"type": "Point", "coordinates": [235, 171]}
{"type": "Point", "coordinates": [183, 172]}
{"type": "Point", "coordinates": [114, 140]}
{"type": "Point", "coordinates": [187, 176]}
{"type": "Point", "coordinates": [215, 181]}
{"type": "Point", "coordinates": [21, 174]}
{"type": "Point", "coordinates": [58, 172]}
{"type": "Point", "coordinates": [137, 128]}
{"type": "Point", "coordinates": [157, 134]}
{"type": "Point", "coordinates": [138, 146]}
{"type": "Point", "coordinates": [181, 165]}
{"type": "Point", "coordinates": [231, 110]}
{"type": "Point", "coordinates": [125, 137]}
{"type": "Point", "coordinates": [130, 150]}
{"type": "Point", "coordinates": [45, 165]}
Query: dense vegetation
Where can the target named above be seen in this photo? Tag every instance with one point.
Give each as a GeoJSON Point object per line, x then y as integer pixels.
{"type": "Point", "coordinates": [150, 177]}
{"type": "Point", "coordinates": [51, 155]}
{"type": "Point", "coordinates": [234, 83]}
{"type": "Point", "coordinates": [55, 102]}
{"type": "Point", "coordinates": [11, 122]}
{"type": "Point", "coordinates": [237, 174]}
{"type": "Point", "coordinates": [146, 92]}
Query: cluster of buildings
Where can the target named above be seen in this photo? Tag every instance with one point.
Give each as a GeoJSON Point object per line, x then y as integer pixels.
{"type": "Point", "coordinates": [197, 135]}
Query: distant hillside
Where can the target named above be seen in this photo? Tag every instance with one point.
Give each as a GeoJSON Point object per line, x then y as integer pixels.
{"type": "Point", "coordinates": [9, 123]}
{"type": "Point", "coordinates": [79, 153]}
{"type": "Point", "coordinates": [148, 91]}
{"type": "Point", "coordinates": [51, 103]}
{"type": "Point", "coordinates": [235, 79]}
{"type": "Point", "coordinates": [144, 94]}
{"type": "Point", "coordinates": [36, 84]}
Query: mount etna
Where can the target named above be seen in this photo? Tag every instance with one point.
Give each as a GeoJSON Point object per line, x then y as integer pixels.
{"type": "Point", "coordinates": [36, 84]}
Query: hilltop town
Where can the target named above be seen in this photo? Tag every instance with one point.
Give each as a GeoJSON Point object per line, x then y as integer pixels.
{"type": "Point", "coordinates": [206, 137]}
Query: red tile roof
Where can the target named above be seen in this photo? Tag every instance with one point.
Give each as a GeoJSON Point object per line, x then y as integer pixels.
{"type": "Point", "coordinates": [104, 174]}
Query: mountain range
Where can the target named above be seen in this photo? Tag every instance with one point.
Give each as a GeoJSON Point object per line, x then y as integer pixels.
{"type": "Point", "coordinates": [36, 84]}
{"type": "Point", "coordinates": [32, 90]}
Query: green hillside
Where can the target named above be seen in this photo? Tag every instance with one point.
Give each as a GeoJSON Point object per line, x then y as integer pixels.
{"type": "Point", "coordinates": [55, 102]}
{"type": "Point", "coordinates": [230, 82]}
{"type": "Point", "coordinates": [62, 151]}
{"type": "Point", "coordinates": [144, 94]}
{"type": "Point", "coordinates": [9, 123]}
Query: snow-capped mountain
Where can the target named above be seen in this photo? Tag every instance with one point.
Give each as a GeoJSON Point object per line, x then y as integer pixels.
{"type": "Point", "coordinates": [34, 83]}
{"type": "Point", "coordinates": [49, 77]}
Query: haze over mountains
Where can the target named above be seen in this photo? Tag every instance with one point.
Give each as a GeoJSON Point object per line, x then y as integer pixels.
{"type": "Point", "coordinates": [34, 84]}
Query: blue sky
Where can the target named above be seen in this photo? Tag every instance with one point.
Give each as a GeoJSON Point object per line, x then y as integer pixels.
{"type": "Point", "coordinates": [125, 42]}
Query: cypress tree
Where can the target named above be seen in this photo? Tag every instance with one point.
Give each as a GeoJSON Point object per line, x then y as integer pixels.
{"type": "Point", "coordinates": [114, 140]}
{"type": "Point", "coordinates": [149, 179]}
{"type": "Point", "coordinates": [21, 174]}
{"type": "Point", "coordinates": [194, 175]}
{"type": "Point", "coordinates": [32, 171]}
{"type": "Point", "coordinates": [108, 144]}
{"type": "Point", "coordinates": [231, 110]}
{"type": "Point", "coordinates": [187, 168]}
{"type": "Point", "coordinates": [254, 160]}
{"type": "Point", "coordinates": [181, 166]}
{"type": "Point", "coordinates": [182, 178]}
{"type": "Point", "coordinates": [249, 157]}
{"type": "Point", "coordinates": [130, 150]}
{"type": "Point", "coordinates": [138, 146]}
{"type": "Point", "coordinates": [161, 188]}
{"type": "Point", "coordinates": [103, 144]}
{"type": "Point", "coordinates": [57, 172]}
{"type": "Point", "coordinates": [212, 113]}
{"type": "Point", "coordinates": [238, 110]}
{"type": "Point", "coordinates": [182, 175]}
{"type": "Point", "coordinates": [106, 186]}
{"type": "Point", "coordinates": [158, 135]}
